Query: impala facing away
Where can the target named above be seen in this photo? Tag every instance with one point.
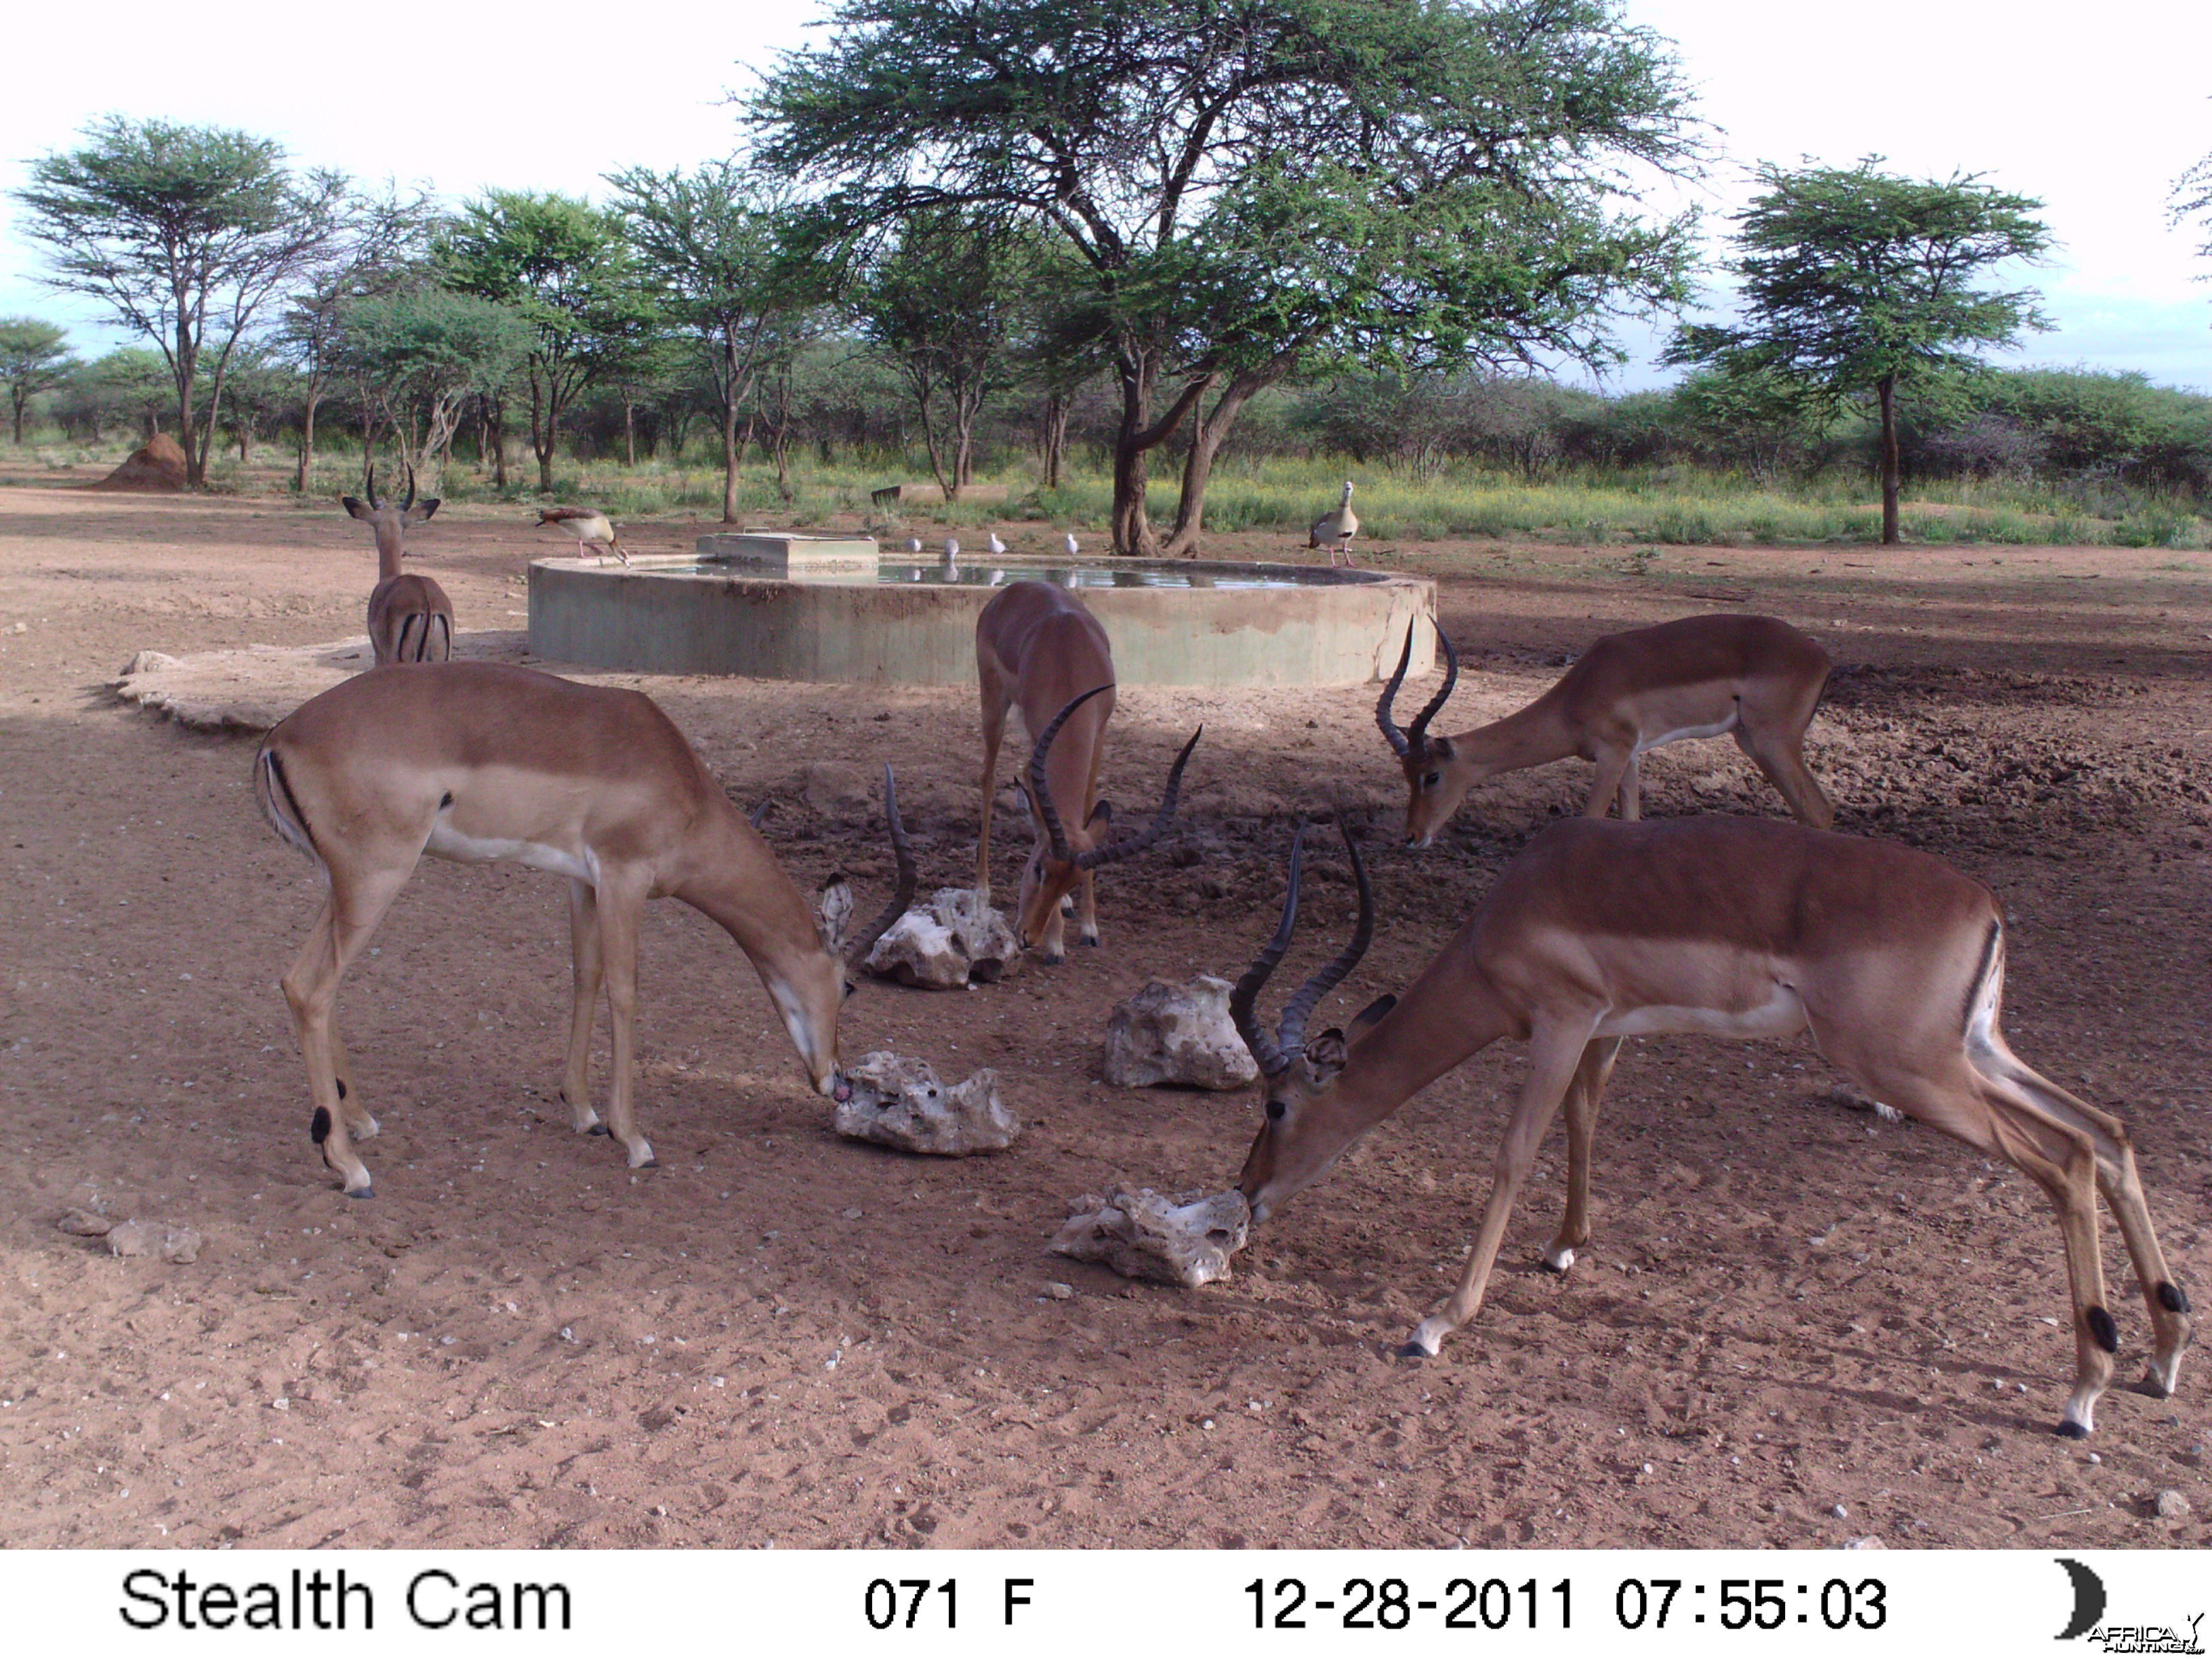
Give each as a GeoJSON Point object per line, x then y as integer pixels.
{"type": "Point", "coordinates": [1755, 677]}
{"type": "Point", "coordinates": [409, 617]}
{"type": "Point", "coordinates": [1038, 648]}
{"type": "Point", "coordinates": [477, 761]}
{"type": "Point", "coordinates": [1731, 927]}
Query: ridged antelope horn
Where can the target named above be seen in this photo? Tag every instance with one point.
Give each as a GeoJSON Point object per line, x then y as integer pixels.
{"type": "Point", "coordinates": [1417, 734]}
{"type": "Point", "coordinates": [1399, 745]}
{"type": "Point", "coordinates": [369, 483]}
{"type": "Point", "coordinates": [1244, 1000]}
{"type": "Point", "coordinates": [1292, 1029]}
{"type": "Point", "coordinates": [408, 503]}
{"type": "Point", "coordinates": [1115, 851]}
{"type": "Point", "coordinates": [857, 953]}
{"type": "Point", "coordinates": [1040, 794]}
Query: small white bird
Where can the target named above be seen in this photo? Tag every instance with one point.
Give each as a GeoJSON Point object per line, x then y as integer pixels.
{"type": "Point", "coordinates": [589, 526]}
{"type": "Point", "coordinates": [913, 543]}
{"type": "Point", "coordinates": [952, 548]}
{"type": "Point", "coordinates": [1070, 546]}
{"type": "Point", "coordinates": [1334, 531]}
{"type": "Point", "coordinates": [995, 544]}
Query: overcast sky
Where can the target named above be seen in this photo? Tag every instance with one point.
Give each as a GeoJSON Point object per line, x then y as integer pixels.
{"type": "Point", "coordinates": [2096, 115]}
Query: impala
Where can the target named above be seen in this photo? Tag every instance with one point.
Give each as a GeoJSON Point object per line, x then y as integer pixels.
{"type": "Point", "coordinates": [409, 617]}
{"type": "Point", "coordinates": [1894, 960]}
{"type": "Point", "coordinates": [1038, 649]}
{"type": "Point", "coordinates": [1756, 679]}
{"type": "Point", "coordinates": [477, 761]}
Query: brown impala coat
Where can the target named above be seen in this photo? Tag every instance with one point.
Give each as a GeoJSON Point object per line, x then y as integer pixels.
{"type": "Point", "coordinates": [479, 762]}
{"type": "Point", "coordinates": [1733, 928]}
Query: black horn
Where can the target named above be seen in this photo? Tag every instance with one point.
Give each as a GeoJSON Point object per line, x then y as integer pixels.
{"type": "Point", "coordinates": [1244, 1000]}
{"type": "Point", "coordinates": [1292, 1029]}
{"type": "Point", "coordinates": [1040, 793]}
{"type": "Point", "coordinates": [1417, 735]}
{"type": "Point", "coordinates": [1399, 745]}
{"type": "Point", "coordinates": [369, 484]}
{"type": "Point", "coordinates": [856, 954]}
{"type": "Point", "coordinates": [409, 502]}
{"type": "Point", "coordinates": [1130, 846]}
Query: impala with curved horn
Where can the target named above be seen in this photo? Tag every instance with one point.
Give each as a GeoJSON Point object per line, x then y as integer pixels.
{"type": "Point", "coordinates": [1755, 679]}
{"type": "Point", "coordinates": [1891, 959]}
{"type": "Point", "coordinates": [409, 617]}
{"type": "Point", "coordinates": [477, 761]}
{"type": "Point", "coordinates": [1038, 648]}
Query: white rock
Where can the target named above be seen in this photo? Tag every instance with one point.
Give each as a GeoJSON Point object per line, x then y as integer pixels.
{"type": "Point", "coordinates": [900, 1103]}
{"type": "Point", "coordinates": [145, 662]}
{"type": "Point", "coordinates": [1143, 1235]}
{"type": "Point", "coordinates": [1869, 1543]}
{"type": "Point", "coordinates": [2172, 1504]}
{"type": "Point", "coordinates": [1180, 1034]}
{"type": "Point", "coordinates": [171, 1243]}
{"type": "Point", "coordinates": [85, 1225]}
{"type": "Point", "coordinates": [945, 946]}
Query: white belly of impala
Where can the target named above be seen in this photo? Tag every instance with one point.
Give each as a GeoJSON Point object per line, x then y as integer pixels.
{"type": "Point", "coordinates": [1781, 1015]}
{"type": "Point", "coordinates": [447, 842]}
{"type": "Point", "coordinates": [1644, 743]}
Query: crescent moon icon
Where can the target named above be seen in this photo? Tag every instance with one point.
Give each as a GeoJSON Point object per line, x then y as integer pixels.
{"type": "Point", "coordinates": [2088, 1599]}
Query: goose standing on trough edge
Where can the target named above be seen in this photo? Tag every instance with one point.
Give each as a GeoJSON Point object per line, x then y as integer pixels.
{"type": "Point", "coordinates": [589, 526]}
{"type": "Point", "coordinates": [1334, 531]}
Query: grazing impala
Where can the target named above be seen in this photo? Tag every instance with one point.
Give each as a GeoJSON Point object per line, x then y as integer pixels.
{"type": "Point", "coordinates": [477, 761]}
{"type": "Point", "coordinates": [1038, 649]}
{"type": "Point", "coordinates": [409, 617]}
{"type": "Point", "coordinates": [1755, 677]}
{"type": "Point", "coordinates": [1732, 927]}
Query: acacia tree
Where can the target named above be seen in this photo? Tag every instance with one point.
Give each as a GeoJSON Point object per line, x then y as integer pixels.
{"type": "Point", "coordinates": [1253, 187]}
{"type": "Point", "coordinates": [709, 245]}
{"type": "Point", "coordinates": [563, 264]}
{"type": "Point", "coordinates": [942, 305]}
{"type": "Point", "coordinates": [421, 354]}
{"type": "Point", "coordinates": [185, 233]}
{"type": "Point", "coordinates": [1857, 284]}
{"type": "Point", "coordinates": [35, 357]}
{"type": "Point", "coordinates": [377, 240]}
{"type": "Point", "coordinates": [2192, 199]}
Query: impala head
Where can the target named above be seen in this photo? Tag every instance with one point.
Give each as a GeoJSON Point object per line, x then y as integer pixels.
{"type": "Point", "coordinates": [1436, 777]}
{"type": "Point", "coordinates": [809, 996]}
{"type": "Point", "coordinates": [1058, 861]}
{"type": "Point", "coordinates": [382, 516]}
{"type": "Point", "coordinates": [1299, 1136]}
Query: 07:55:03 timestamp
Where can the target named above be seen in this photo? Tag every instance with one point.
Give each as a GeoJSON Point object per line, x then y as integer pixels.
{"type": "Point", "coordinates": [1638, 1604]}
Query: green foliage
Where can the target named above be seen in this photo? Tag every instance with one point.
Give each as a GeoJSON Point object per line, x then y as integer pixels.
{"type": "Point", "coordinates": [419, 354]}
{"type": "Point", "coordinates": [1254, 185]}
{"type": "Point", "coordinates": [178, 230]}
{"type": "Point", "coordinates": [35, 357]}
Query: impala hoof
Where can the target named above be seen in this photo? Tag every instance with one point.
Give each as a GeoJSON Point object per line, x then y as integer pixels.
{"type": "Point", "coordinates": [366, 1192]}
{"type": "Point", "coordinates": [597, 1129]}
{"type": "Point", "coordinates": [1053, 961]}
{"type": "Point", "coordinates": [2068, 1428]}
{"type": "Point", "coordinates": [1091, 939]}
{"type": "Point", "coordinates": [1411, 1350]}
{"type": "Point", "coordinates": [1558, 1261]}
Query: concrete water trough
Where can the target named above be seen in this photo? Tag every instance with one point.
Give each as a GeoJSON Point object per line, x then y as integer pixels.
{"type": "Point", "coordinates": [775, 606]}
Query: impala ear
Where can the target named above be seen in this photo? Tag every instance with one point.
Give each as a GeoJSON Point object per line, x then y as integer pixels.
{"type": "Point", "coordinates": [1441, 748]}
{"type": "Point", "coordinates": [352, 505]}
{"type": "Point", "coordinates": [1102, 813]}
{"type": "Point", "coordinates": [1371, 1013]}
{"type": "Point", "coordinates": [836, 902]}
{"type": "Point", "coordinates": [423, 510]}
{"type": "Point", "coordinates": [1325, 1054]}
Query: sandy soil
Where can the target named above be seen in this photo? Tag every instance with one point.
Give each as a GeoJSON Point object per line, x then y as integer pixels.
{"type": "Point", "coordinates": [1788, 1305]}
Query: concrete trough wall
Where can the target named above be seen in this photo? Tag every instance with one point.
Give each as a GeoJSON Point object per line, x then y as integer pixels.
{"type": "Point", "coordinates": [1343, 629]}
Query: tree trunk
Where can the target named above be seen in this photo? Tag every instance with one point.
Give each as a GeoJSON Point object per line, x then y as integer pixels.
{"type": "Point", "coordinates": [1134, 442]}
{"type": "Point", "coordinates": [729, 449]}
{"type": "Point", "coordinates": [20, 400]}
{"type": "Point", "coordinates": [629, 431]}
{"type": "Point", "coordinates": [308, 436]}
{"type": "Point", "coordinates": [495, 436]}
{"type": "Point", "coordinates": [1055, 437]}
{"type": "Point", "coordinates": [1205, 440]}
{"type": "Point", "coordinates": [1891, 467]}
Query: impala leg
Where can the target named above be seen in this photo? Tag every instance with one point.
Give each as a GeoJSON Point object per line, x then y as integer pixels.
{"type": "Point", "coordinates": [620, 910]}
{"type": "Point", "coordinates": [995, 729]}
{"type": "Point", "coordinates": [2056, 1156]}
{"type": "Point", "coordinates": [359, 1124]}
{"type": "Point", "coordinates": [2116, 1178]}
{"type": "Point", "coordinates": [1612, 766]}
{"type": "Point", "coordinates": [1632, 788]}
{"type": "Point", "coordinates": [1554, 1055]}
{"type": "Point", "coordinates": [348, 918]}
{"type": "Point", "coordinates": [1582, 1096]}
{"type": "Point", "coordinates": [1780, 757]}
{"type": "Point", "coordinates": [586, 971]}
{"type": "Point", "coordinates": [1087, 924]}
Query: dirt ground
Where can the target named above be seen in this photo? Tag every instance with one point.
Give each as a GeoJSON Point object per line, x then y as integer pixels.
{"type": "Point", "coordinates": [1797, 1324]}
